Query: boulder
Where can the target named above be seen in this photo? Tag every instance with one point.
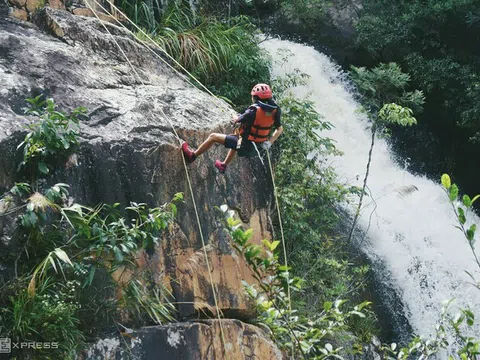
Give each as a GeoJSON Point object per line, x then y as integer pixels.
{"type": "Point", "coordinates": [84, 11]}
{"type": "Point", "coordinates": [18, 3]}
{"type": "Point", "coordinates": [56, 4]}
{"type": "Point", "coordinates": [185, 341]}
{"type": "Point", "coordinates": [33, 5]}
{"type": "Point", "coordinates": [20, 14]}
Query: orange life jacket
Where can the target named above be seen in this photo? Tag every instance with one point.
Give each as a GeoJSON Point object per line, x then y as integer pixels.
{"type": "Point", "coordinates": [262, 125]}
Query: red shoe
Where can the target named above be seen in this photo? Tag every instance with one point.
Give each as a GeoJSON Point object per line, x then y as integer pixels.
{"type": "Point", "coordinates": [189, 154]}
{"type": "Point", "coordinates": [220, 166]}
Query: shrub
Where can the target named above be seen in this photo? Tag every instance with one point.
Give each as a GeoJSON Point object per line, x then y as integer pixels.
{"type": "Point", "coordinates": [51, 139]}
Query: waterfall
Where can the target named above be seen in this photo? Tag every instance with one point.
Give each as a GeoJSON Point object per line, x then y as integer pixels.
{"type": "Point", "coordinates": [423, 255]}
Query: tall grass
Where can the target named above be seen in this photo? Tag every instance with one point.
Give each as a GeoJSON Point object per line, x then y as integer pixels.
{"type": "Point", "coordinates": [224, 55]}
{"type": "Point", "coordinates": [144, 13]}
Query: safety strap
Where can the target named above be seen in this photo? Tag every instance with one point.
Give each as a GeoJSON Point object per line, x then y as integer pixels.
{"type": "Point", "coordinates": [262, 127]}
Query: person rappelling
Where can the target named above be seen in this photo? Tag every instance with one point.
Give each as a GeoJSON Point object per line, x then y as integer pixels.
{"type": "Point", "coordinates": [252, 129]}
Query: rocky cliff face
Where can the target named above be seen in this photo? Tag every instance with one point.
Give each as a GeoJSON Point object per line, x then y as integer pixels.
{"type": "Point", "coordinates": [128, 152]}
{"type": "Point", "coordinates": [242, 342]}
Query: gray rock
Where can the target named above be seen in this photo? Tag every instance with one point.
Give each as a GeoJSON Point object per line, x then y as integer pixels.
{"type": "Point", "coordinates": [182, 341]}
{"type": "Point", "coordinates": [128, 150]}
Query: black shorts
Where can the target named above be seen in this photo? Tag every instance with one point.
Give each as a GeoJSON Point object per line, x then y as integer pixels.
{"type": "Point", "coordinates": [247, 149]}
{"type": "Point", "coordinates": [231, 142]}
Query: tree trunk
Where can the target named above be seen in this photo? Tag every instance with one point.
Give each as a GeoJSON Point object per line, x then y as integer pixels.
{"type": "Point", "coordinates": [357, 213]}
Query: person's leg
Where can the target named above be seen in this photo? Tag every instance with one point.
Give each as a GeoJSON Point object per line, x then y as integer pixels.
{"type": "Point", "coordinates": [231, 143]}
{"type": "Point", "coordinates": [191, 154]}
{"type": "Point", "coordinates": [207, 144]}
{"type": "Point", "coordinates": [230, 156]}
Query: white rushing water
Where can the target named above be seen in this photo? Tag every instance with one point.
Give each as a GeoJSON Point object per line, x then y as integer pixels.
{"type": "Point", "coordinates": [413, 236]}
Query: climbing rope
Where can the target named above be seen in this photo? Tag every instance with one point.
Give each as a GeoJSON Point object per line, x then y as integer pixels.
{"type": "Point", "coordinates": [180, 141]}
{"type": "Point", "coordinates": [188, 181]}
{"type": "Point", "coordinates": [281, 230]}
{"type": "Point", "coordinates": [204, 87]}
{"type": "Point", "coordinates": [112, 5]}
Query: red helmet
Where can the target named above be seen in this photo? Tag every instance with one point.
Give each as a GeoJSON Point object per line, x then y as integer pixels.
{"type": "Point", "coordinates": [263, 91]}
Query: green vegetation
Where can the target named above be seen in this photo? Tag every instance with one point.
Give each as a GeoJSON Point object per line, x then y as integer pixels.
{"type": "Point", "coordinates": [223, 54]}
{"type": "Point", "coordinates": [385, 102]}
{"type": "Point", "coordinates": [308, 194]}
{"type": "Point", "coordinates": [436, 42]}
{"type": "Point", "coordinates": [300, 335]}
{"type": "Point", "coordinates": [306, 12]}
{"type": "Point", "coordinates": [76, 271]}
{"type": "Point", "coordinates": [51, 139]}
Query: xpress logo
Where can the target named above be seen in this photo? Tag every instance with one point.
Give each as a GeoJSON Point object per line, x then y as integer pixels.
{"type": "Point", "coordinates": [6, 345]}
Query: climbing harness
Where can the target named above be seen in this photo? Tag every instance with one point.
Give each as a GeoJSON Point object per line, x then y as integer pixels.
{"type": "Point", "coordinates": [115, 8]}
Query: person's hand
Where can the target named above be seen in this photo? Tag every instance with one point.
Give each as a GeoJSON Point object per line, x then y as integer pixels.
{"type": "Point", "coordinates": [266, 145]}
{"type": "Point", "coordinates": [234, 120]}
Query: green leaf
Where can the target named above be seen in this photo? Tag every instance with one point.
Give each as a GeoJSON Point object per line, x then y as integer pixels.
{"type": "Point", "coordinates": [76, 208]}
{"type": "Point", "coordinates": [446, 181]}
{"type": "Point", "coordinates": [453, 192]}
{"type": "Point", "coordinates": [358, 313]}
{"type": "Point", "coordinates": [327, 305]}
{"type": "Point", "coordinates": [91, 275]}
{"type": "Point", "coordinates": [466, 201]}
{"type": "Point", "coordinates": [248, 234]}
{"type": "Point", "coordinates": [475, 198]}
{"type": "Point", "coordinates": [274, 245]}
{"type": "Point", "coordinates": [43, 168]}
{"type": "Point", "coordinates": [118, 254]}
{"type": "Point", "coordinates": [471, 232]}
{"type": "Point", "coordinates": [461, 216]}
{"type": "Point", "coordinates": [173, 208]}
{"type": "Point", "coordinates": [53, 263]}
{"type": "Point", "coordinates": [178, 197]}
{"type": "Point", "coordinates": [62, 255]}
{"type": "Point", "coordinates": [470, 317]}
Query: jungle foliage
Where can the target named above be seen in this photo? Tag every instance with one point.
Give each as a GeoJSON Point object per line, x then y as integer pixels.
{"type": "Point", "coordinates": [436, 42]}
{"type": "Point", "coordinates": [223, 53]}
{"type": "Point", "coordinates": [71, 271]}
{"type": "Point", "coordinates": [308, 194]}
{"type": "Point", "coordinates": [312, 335]}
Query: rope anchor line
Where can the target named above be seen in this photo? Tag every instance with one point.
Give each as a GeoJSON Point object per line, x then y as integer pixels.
{"type": "Point", "coordinates": [188, 181]}
{"type": "Point", "coordinates": [214, 290]}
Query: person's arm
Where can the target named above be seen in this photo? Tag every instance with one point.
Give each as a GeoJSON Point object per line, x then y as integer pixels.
{"type": "Point", "coordinates": [278, 126]}
{"type": "Point", "coordinates": [246, 117]}
{"type": "Point", "coordinates": [278, 131]}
